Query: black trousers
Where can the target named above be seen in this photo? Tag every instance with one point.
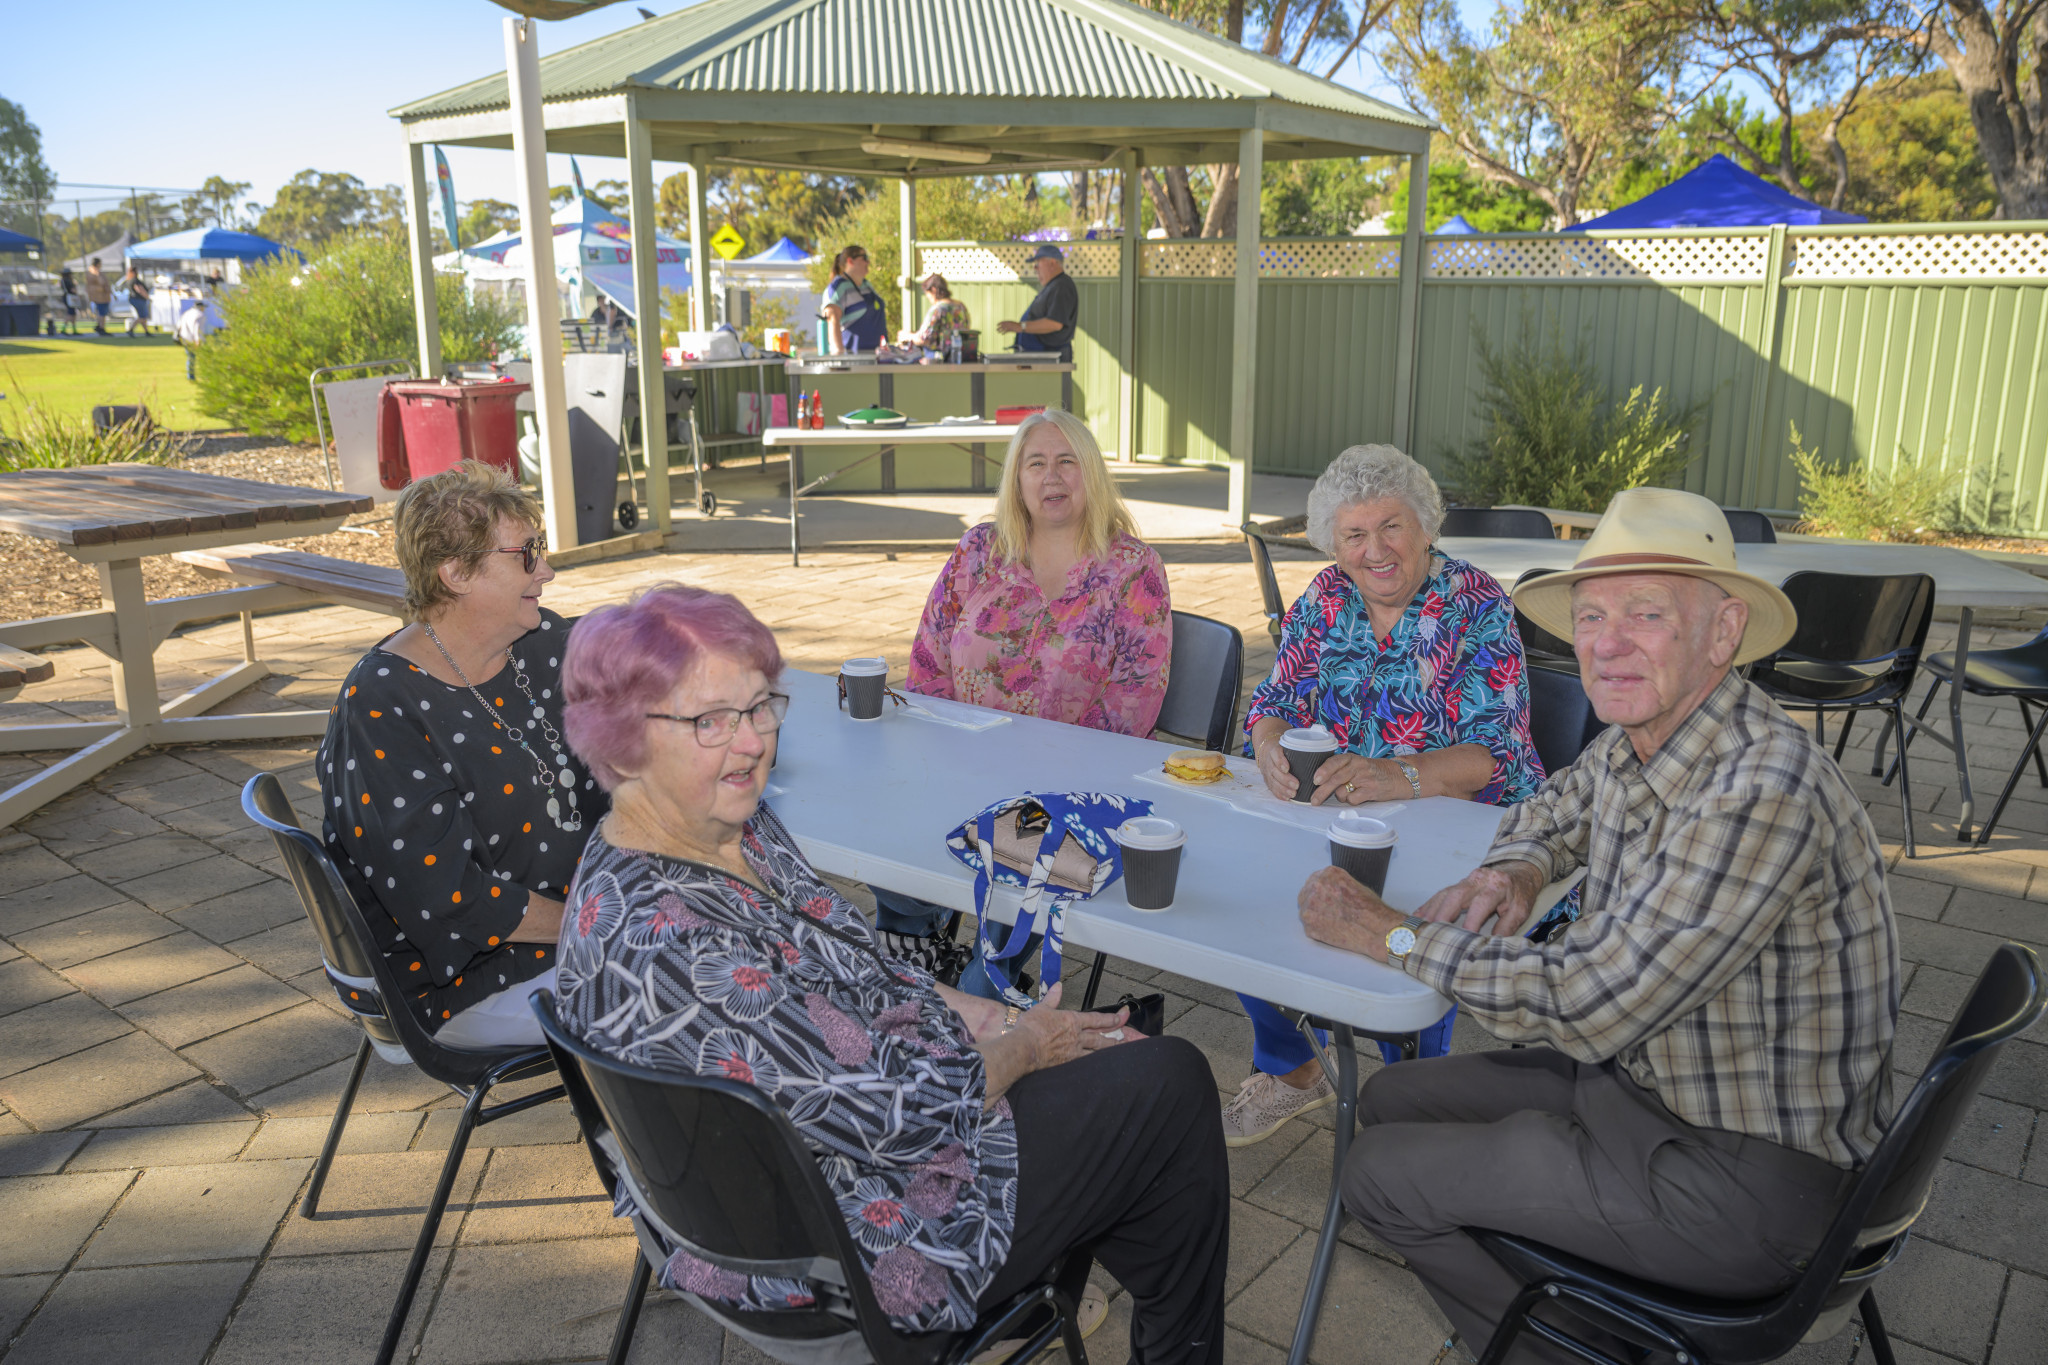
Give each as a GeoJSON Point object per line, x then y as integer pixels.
{"type": "Point", "coordinates": [1121, 1152]}
{"type": "Point", "coordinates": [1578, 1156]}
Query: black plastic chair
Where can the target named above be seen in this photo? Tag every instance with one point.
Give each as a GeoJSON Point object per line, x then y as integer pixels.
{"type": "Point", "coordinates": [2021, 673]}
{"type": "Point", "coordinates": [1750, 528]}
{"type": "Point", "coordinates": [1539, 646]}
{"type": "Point", "coordinates": [362, 977]}
{"type": "Point", "coordinates": [1857, 648]}
{"type": "Point", "coordinates": [1269, 585]}
{"type": "Point", "coordinates": [1202, 685]}
{"type": "Point", "coordinates": [719, 1172]}
{"type": "Point", "coordinates": [1498, 523]}
{"type": "Point", "coordinates": [1561, 720]}
{"type": "Point", "coordinates": [1867, 1235]}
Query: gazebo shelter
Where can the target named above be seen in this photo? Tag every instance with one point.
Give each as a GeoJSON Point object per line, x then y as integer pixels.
{"type": "Point", "coordinates": [909, 89]}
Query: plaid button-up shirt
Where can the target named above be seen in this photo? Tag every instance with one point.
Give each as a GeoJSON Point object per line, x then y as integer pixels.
{"type": "Point", "coordinates": [1736, 954]}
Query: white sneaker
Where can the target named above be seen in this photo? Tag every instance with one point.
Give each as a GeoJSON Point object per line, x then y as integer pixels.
{"type": "Point", "coordinates": [1263, 1103]}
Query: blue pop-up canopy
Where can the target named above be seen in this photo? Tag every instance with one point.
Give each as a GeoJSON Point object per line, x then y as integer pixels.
{"type": "Point", "coordinates": [209, 244]}
{"type": "Point", "coordinates": [784, 252]}
{"type": "Point", "coordinates": [15, 241]}
{"type": "Point", "coordinates": [1717, 193]}
{"type": "Point", "coordinates": [1456, 227]}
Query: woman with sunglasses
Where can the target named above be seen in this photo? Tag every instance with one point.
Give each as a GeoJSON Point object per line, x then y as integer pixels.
{"type": "Point", "coordinates": [451, 803]}
{"type": "Point", "coordinates": [969, 1146]}
{"type": "Point", "coordinates": [851, 308]}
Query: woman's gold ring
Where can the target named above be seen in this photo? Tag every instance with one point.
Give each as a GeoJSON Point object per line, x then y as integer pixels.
{"type": "Point", "coordinates": [1351, 787]}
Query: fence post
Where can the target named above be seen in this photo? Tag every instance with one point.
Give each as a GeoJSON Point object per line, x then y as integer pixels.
{"type": "Point", "coordinates": [1766, 381]}
{"type": "Point", "coordinates": [1128, 247]}
{"type": "Point", "coordinates": [1244, 331]}
{"type": "Point", "coordinates": [1408, 341]}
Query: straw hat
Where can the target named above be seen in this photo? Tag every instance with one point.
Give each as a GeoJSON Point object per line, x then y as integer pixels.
{"type": "Point", "coordinates": [1664, 530]}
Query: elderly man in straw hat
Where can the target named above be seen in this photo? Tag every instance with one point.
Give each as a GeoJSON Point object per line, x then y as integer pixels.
{"type": "Point", "coordinates": [1709, 1046]}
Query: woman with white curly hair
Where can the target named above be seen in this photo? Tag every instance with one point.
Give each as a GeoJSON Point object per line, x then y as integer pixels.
{"type": "Point", "coordinates": [1411, 660]}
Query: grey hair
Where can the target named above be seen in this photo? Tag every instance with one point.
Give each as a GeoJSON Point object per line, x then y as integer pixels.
{"type": "Point", "coordinates": [1364, 474]}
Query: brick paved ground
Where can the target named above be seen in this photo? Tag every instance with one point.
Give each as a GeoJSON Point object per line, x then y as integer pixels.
{"type": "Point", "coordinates": [170, 1055]}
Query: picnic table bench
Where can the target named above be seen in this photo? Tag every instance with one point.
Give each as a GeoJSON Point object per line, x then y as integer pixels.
{"type": "Point", "coordinates": [19, 668]}
{"type": "Point", "coordinates": [323, 578]}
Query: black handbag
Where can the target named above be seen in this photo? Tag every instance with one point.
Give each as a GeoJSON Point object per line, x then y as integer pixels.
{"type": "Point", "coordinates": [1148, 1012]}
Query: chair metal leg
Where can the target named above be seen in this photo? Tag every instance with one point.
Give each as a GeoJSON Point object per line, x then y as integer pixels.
{"type": "Point", "coordinates": [1883, 737]}
{"type": "Point", "coordinates": [2027, 720]}
{"type": "Point", "coordinates": [1820, 728]}
{"type": "Point", "coordinates": [311, 1205]}
{"type": "Point", "coordinates": [1873, 1330]}
{"type": "Point", "coordinates": [1070, 1327]}
{"type": "Point", "coordinates": [1842, 741]}
{"type": "Point", "coordinates": [1094, 981]}
{"type": "Point", "coordinates": [2033, 742]}
{"type": "Point", "coordinates": [1905, 778]}
{"type": "Point", "coordinates": [424, 1247]}
{"type": "Point", "coordinates": [1967, 807]}
{"type": "Point", "coordinates": [1333, 1212]}
{"type": "Point", "coordinates": [1510, 1326]}
{"type": "Point", "coordinates": [629, 1311]}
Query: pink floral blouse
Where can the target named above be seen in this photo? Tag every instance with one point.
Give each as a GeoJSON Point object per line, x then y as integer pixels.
{"type": "Point", "coordinates": [1096, 657]}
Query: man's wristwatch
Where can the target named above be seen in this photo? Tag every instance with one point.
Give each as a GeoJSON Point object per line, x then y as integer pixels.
{"type": "Point", "coordinates": [1401, 940]}
{"type": "Point", "coordinates": [1408, 770]}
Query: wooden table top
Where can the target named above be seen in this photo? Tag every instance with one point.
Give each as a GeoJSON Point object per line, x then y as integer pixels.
{"type": "Point", "coordinates": [114, 503]}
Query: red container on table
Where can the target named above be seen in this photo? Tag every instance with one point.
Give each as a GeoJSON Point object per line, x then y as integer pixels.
{"type": "Point", "coordinates": [426, 426]}
{"type": "Point", "coordinates": [1010, 416]}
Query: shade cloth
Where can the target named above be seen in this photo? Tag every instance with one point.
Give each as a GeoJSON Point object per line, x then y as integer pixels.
{"type": "Point", "coordinates": [1716, 193]}
{"type": "Point", "coordinates": [209, 244]}
{"type": "Point", "coordinates": [15, 241]}
{"type": "Point", "coordinates": [113, 257]}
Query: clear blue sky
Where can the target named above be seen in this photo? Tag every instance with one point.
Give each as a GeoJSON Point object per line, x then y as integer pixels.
{"type": "Point", "coordinates": [258, 92]}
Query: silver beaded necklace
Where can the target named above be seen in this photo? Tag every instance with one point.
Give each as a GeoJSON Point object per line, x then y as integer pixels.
{"type": "Point", "coordinates": [548, 776]}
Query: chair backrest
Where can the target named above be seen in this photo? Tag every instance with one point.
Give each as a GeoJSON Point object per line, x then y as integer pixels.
{"type": "Point", "coordinates": [721, 1173]}
{"type": "Point", "coordinates": [1203, 682]}
{"type": "Point", "coordinates": [1750, 528]}
{"type": "Point", "coordinates": [1498, 523]}
{"type": "Point", "coordinates": [1561, 720]}
{"type": "Point", "coordinates": [347, 947]}
{"type": "Point", "coordinates": [1538, 643]}
{"type": "Point", "coordinates": [1860, 618]}
{"type": "Point", "coordinates": [1891, 1189]}
{"type": "Point", "coordinates": [1269, 585]}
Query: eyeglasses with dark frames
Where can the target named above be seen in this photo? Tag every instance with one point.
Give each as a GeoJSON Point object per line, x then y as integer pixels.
{"type": "Point", "coordinates": [715, 729]}
{"type": "Point", "coordinates": [531, 553]}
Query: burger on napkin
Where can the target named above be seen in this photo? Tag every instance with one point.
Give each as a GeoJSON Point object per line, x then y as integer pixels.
{"type": "Point", "coordinates": [1195, 766]}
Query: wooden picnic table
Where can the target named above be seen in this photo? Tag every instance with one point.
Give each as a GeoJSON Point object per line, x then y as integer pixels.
{"type": "Point", "coordinates": [113, 517]}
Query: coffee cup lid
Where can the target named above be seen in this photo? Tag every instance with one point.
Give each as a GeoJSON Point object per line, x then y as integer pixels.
{"type": "Point", "coordinates": [1311, 739]}
{"type": "Point", "coordinates": [864, 668]}
{"type": "Point", "coordinates": [1151, 832]}
{"type": "Point", "coordinates": [1361, 831]}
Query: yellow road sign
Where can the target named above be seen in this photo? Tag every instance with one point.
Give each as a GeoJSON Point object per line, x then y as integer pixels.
{"type": "Point", "coordinates": [728, 243]}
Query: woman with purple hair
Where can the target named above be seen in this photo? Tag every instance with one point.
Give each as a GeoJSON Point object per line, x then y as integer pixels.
{"type": "Point", "coordinates": [970, 1147]}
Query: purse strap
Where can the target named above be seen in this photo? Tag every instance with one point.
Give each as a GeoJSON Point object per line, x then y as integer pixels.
{"type": "Point", "coordinates": [1049, 956]}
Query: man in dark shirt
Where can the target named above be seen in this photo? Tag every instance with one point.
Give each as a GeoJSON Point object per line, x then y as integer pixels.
{"type": "Point", "coordinates": [1048, 324]}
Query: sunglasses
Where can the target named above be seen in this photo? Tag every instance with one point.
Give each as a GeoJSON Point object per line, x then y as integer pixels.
{"type": "Point", "coordinates": [531, 553]}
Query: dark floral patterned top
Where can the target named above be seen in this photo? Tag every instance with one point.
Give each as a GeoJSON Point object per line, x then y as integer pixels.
{"type": "Point", "coordinates": [681, 966]}
{"type": "Point", "coordinates": [1449, 673]}
{"type": "Point", "coordinates": [439, 824]}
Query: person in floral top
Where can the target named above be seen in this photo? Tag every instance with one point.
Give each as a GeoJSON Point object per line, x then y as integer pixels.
{"type": "Point", "coordinates": [946, 317]}
{"type": "Point", "coordinates": [969, 1152]}
{"type": "Point", "coordinates": [1412, 661]}
{"type": "Point", "coordinates": [1055, 609]}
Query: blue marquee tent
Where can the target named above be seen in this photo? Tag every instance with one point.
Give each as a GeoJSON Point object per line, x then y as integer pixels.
{"type": "Point", "coordinates": [1455, 227]}
{"type": "Point", "coordinates": [209, 244]}
{"type": "Point", "coordinates": [1716, 193]}
{"type": "Point", "coordinates": [15, 241]}
{"type": "Point", "coordinates": [784, 252]}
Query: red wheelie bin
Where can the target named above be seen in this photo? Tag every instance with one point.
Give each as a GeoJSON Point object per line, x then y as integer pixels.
{"type": "Point", "coordinates": [427, 425]}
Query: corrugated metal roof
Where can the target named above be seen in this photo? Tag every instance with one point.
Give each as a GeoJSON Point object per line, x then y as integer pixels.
{"type": "Point", "coordinates": [1052, 49]}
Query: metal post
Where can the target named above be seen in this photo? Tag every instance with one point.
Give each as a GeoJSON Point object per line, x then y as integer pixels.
{"type": "Point", "coordinates": [906, 201]}
{"type": "Point", "coordinates": [1244, 332]}
{"type": "Point", "coordinates": [543, 308]}
{"type": "Point", "coordinates": [426, 308]}
{"type": "Point", "coordinates": [1408, 344]}
{"type": "Point", "coordinates": [647, 319]}
{"type": "Point", "coordinates": [700, 246]}
{"type": "Point", "coordinates": [1749, 494]}
{"type": "Point", "coordinates": [1129, 247]}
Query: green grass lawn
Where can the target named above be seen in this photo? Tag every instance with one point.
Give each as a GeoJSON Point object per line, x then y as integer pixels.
{"type": "Point", "coordinates": [70, 375]}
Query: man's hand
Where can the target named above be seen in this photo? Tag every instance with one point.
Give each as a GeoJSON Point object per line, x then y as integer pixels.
{"type": "Point", "coordinates": [1507, 890]}
{"type": "Point", "coordinates": [1338, 910]}
{"type": "Point", "coordinates": [1006, 325]}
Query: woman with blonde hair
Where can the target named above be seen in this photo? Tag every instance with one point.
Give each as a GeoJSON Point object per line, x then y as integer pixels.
{"type": "Point", "coordinates": [453, 809]}
{"type": "Point", "coordinates": [1055, 609]}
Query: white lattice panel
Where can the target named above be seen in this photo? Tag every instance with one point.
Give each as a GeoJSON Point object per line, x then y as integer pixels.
{"type": "Point", "coordinates": [1572, 256]}
{"type": "Point", "coordinates": [1362, 258]}
{"type": "Point", "coordinates": [1005, 263]}
{"type": "Point", "coordinates": [2017, 254]}
{"type": "Point", "coordinates": [1189, 259]}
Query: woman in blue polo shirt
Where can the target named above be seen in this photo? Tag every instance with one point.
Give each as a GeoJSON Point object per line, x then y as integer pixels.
{"type": "Point", "coordinates": [853, 311]}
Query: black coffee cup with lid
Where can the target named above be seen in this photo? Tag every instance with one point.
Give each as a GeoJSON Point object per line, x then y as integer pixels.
{"type": "Point", "coordinates": [1151, 847]}
{"type": "Point", "coordinates": [863, 681]}
{"type": "Point", "coordinates": [1306, 749]}
{"type": "Point", "coordinates": [1362, 846]}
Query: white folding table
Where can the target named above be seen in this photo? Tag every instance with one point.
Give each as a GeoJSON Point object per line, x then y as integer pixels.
{"type": "Point", "coordinates": [875, 800]}
{"type": "Point", "coordinates": [970, 437]}
{"type": "Point", "coordinates": [1961, 580]}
